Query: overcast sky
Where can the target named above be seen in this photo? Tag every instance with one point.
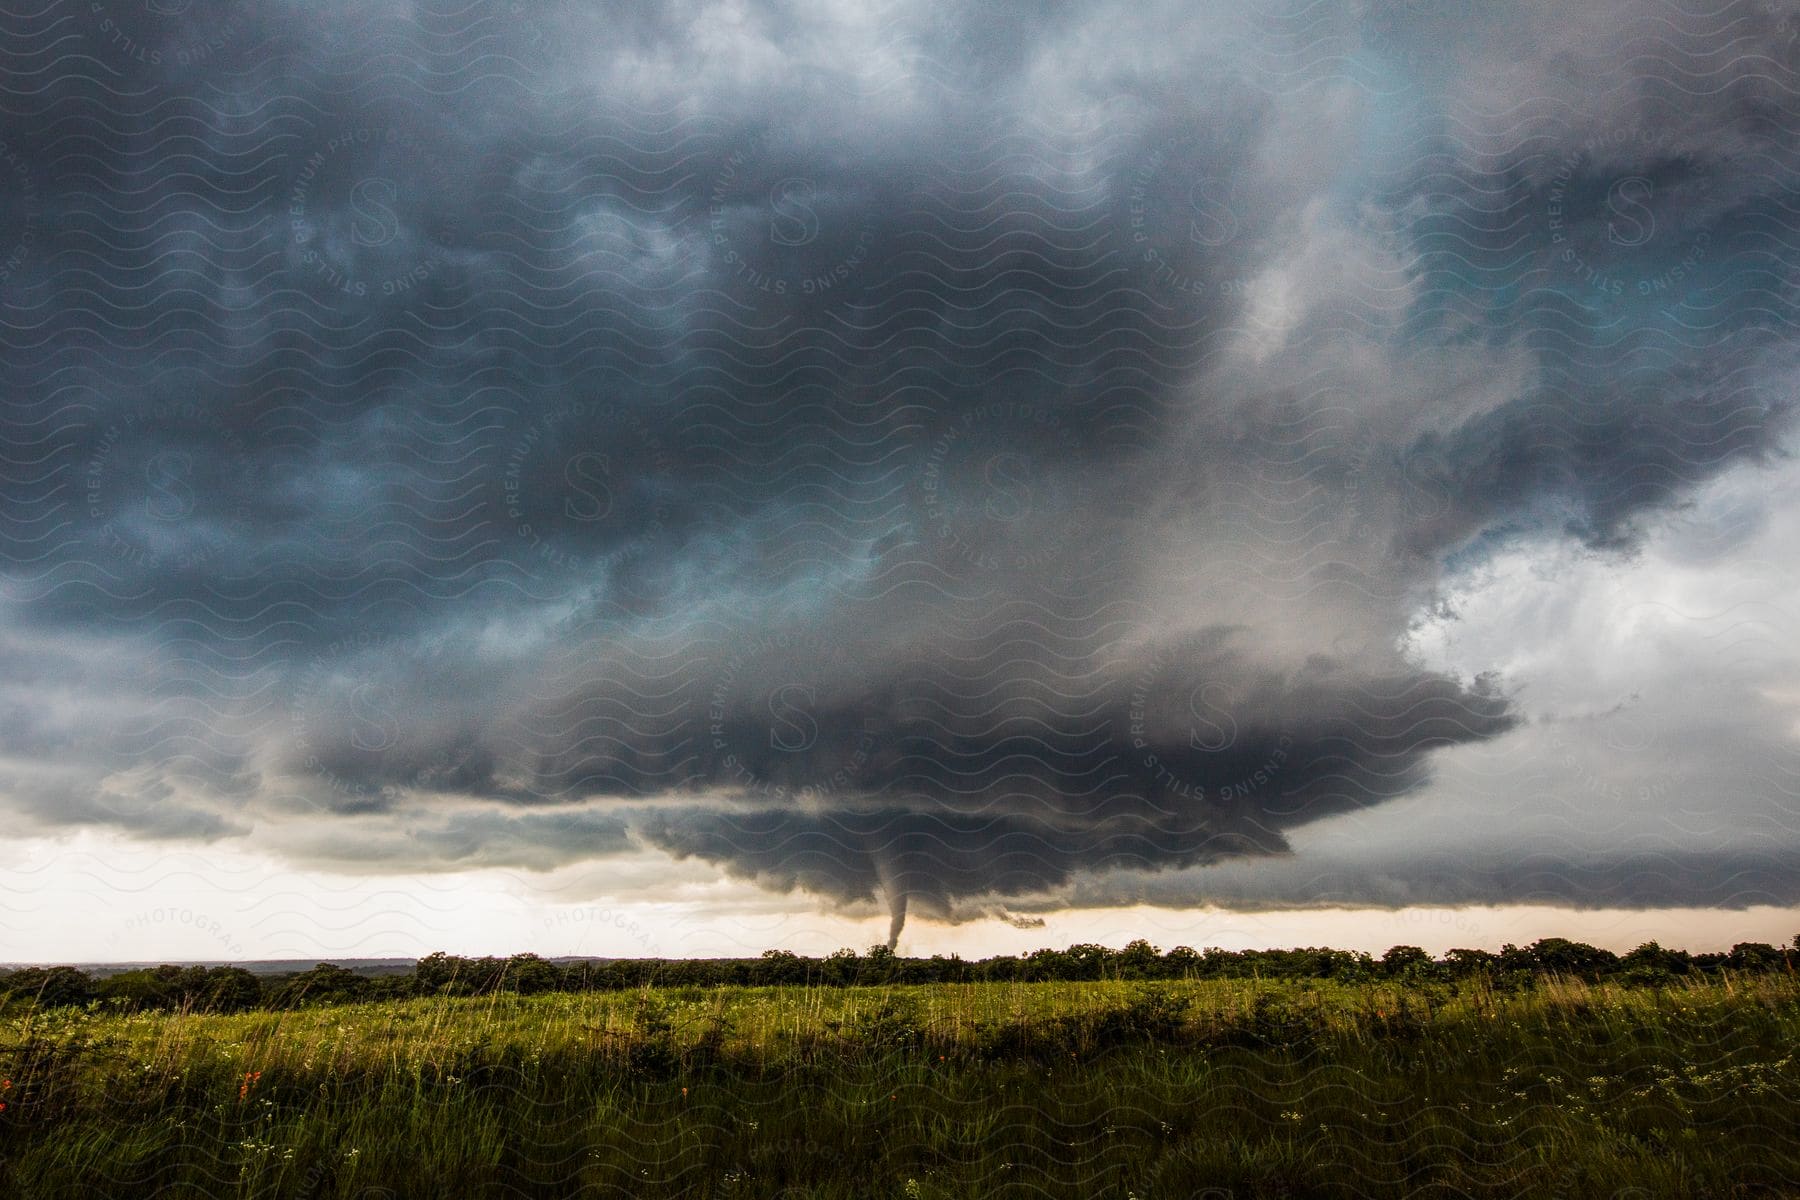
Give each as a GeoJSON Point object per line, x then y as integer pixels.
{"type": "Point", "coordinates": [986, 474]}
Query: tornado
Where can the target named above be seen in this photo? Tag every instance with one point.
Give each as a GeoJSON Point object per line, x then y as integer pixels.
{"type": "Point", "coordinates": [890, 887]}
{"type": "Point", "coordinates": [896, 917]}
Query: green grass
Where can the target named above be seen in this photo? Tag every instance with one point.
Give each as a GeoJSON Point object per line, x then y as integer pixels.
{"type": "Point", "coordinates": [1050, 1089]}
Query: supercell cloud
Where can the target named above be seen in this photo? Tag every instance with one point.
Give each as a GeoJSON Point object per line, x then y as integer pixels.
{"type": "Point", "coordinates": [961, 459]}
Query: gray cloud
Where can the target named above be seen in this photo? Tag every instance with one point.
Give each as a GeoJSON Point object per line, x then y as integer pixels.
{"type": "Point", "coordinates": [917, 453]}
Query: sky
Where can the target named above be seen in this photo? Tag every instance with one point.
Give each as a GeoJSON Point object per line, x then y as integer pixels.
{"type": "Point", "coordinates": [698, 478]}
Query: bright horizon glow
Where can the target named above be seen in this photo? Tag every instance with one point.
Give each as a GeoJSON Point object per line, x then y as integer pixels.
{"type": "Point", "coordinates": [93, 900]}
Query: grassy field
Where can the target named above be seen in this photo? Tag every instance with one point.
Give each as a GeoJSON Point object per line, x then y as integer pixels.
{"type": "Point", "coordinates": [1205, 1089]}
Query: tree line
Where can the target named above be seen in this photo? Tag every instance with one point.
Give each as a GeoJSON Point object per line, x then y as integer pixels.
{"type": "Point", "coordinates": [234, 989]}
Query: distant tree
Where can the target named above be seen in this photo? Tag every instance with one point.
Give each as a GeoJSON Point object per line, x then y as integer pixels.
{"type": "Point", "coordinates": [228, 989]}
{"type": "Point", "coordinates": [49, 987]}
{"type": "Point", "coordinates": [840, 967]}
{"type": "Point", "coordinates": [1088, 960]}
{"type": "Point", "coordinates": [326, 983]}
{"type": "Point", "coordinates": [231, 989]}
{"type": "Point", "coordinates": [942, 969]}
{"type": "Point", "coordinates": [169, 987]}
{"type": "Point", "coordinates": [1338, 964]}
{"type": "Point", "coordinates": [529, 974]}
{"type": "Point", "coordinates": [438, 973]}
{"type": "Point", "coordinates": [390, 987]}
{"type": "Point", "coordinates": [1462, 962]}
{"type": "Point", "coordinates": [480, 976]}
{"type": "Point", "coordinates": [1218, 963]}
{"type": "Point", "coordinates": [1651, 959]}
{"type": "Point", "coordinates": [1403, 961]}
{"type": "Point", "coordinates": [878, 966]}
{"type": "Point", "coordinates": [139, 990]}
{"type": "Point", "coordinates": [1139, 960]}
{"type": "Point", "coordinates": [1572, 958]}
{"type": "Point", "coordinates": [780, 968]}
{"type": "Point", "coordinates": [1755, 956]}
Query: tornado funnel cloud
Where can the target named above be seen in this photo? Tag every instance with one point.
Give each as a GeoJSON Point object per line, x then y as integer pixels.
{"type": "Point", "coordinates": [896, 918]}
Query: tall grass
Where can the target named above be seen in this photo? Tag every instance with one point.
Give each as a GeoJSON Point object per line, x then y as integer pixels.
{"type": "Point", "coordinates": [1056, 1089]}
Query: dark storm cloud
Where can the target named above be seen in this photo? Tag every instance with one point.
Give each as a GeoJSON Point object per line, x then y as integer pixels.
{"type": "Point", "coordinates": [949, 791]}
{"type": "Point", "coordinates": [920, 454]}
